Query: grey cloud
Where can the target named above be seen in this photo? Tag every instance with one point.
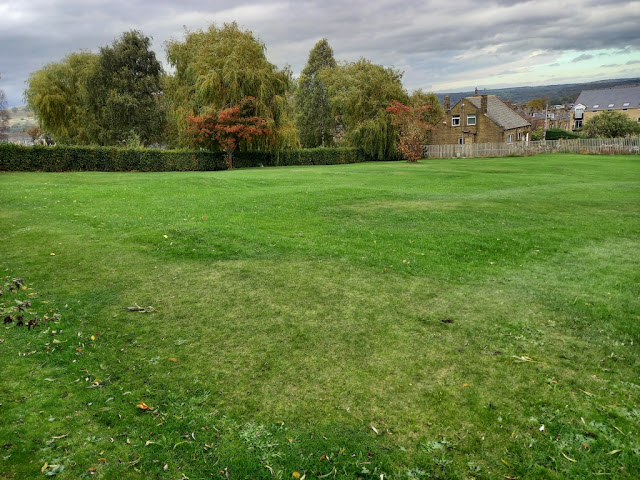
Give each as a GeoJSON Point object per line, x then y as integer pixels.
{"type": "Point", "coordinates": [424, 37]}
{"type": "Point", "coordinates": [582, 58]}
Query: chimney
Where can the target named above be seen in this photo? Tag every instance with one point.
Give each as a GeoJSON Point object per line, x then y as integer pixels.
{"type": "Point", "coordinates": [483, 103]}
{"type": "Point", "coordinates": [476, 92]}
{"type": "Point", "coordinates": [447, 103]}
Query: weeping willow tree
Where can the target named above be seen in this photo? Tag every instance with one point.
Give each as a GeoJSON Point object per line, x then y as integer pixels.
{"type": "Point", "coordinates": [359, 93]}
{"type": "Point", "coordinates": [216, 69]}
{"type": "Point", "coordinates": [59, 98]}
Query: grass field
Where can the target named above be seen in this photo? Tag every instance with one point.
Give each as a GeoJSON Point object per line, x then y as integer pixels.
{"type": "Point", "coordinates": [471, 318]}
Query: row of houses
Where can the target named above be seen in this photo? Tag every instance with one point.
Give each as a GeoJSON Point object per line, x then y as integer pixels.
{"type": "Point", "coordinates": [487, 119]}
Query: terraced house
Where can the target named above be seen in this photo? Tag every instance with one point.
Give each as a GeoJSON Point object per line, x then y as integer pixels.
{"type": "Point", "coordinates": [479, 119]}
{"type": "Point", "coordinates": [591, 102]}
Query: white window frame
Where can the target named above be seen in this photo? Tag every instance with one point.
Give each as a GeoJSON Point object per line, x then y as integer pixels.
{"type": "Point", "coordinates": [510, 138]}
{"type": "Point", "coordinates": [459, 140]}
{"type": "Point", "coordinates": [455, 120]}
{"type": "Point", "coordinates": [471, 116]}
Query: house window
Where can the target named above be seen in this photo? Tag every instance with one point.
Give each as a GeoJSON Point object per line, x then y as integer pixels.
{"type": "Point", "coordinates": [519, 136]}
{"type": "Point", "coordinates": [625, 104]}
{"type": "Point", "coordinates": [577, 124]}
{"type": "Point", "coordinates": [455, 121]}
{"type": "Point", "coordinates": [596, 105]}
{"type": "Point", "coordinates": [460, 140]}
{"type": "Point", "coordinates": [610, 105]}
{"type": "Point", "coordinates": [510, 138]}
{"type": "Point", "coordinates": [471, 119]}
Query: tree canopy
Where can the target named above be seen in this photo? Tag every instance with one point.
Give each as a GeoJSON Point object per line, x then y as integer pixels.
{"type": "Point", "coordinates": [610, 124]}
{"type": "Point", "coordinates": [100, 98]}
{"type": "Point", "coordinates": [125, 89]}
{"type": "Point", "coordinates": [216, 68]}
{"type": "Point", "coordinates": [359, 93]}
{"type": "Point", "coordinates": [59, 97]}
{"type": "Point", "coordinates": [315, 122]}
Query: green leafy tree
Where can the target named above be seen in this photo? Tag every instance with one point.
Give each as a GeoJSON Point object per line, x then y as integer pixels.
{"type": "Point", "coordinates": [536, 104]}
{"type": "Point", "coordinates": [4, 116]}
{"type": "Point", "coordinates": [314, 119]}
{"type": "Point", "coordinates": [610, 124]}
{"type": "Point", "coordinates": [431, 115]}
{"type": "Point", "coordinates": [217, 68]}
{"type": "Point", "coordinates": [359, 94]}
{"type": "Point", "coordinates": [59, 97]}
{"type": "Point", "coordinates": [125, 90]}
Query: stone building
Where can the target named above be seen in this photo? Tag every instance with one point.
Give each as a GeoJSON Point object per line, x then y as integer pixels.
{"type": "Point", "coordinates": [479, 119]}
{"type": "Point", "coordinates": [625, 100]}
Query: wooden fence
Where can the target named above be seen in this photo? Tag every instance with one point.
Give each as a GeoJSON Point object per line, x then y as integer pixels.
{"type": "Point", "coordinates": [578, 145]}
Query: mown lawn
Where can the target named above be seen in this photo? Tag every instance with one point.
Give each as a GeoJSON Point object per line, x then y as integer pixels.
{"type": "Point", "coordinates": [471, 318]}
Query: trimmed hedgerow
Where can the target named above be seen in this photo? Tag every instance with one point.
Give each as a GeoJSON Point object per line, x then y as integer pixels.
{"type": "Point", "coordinates": [62, 158]}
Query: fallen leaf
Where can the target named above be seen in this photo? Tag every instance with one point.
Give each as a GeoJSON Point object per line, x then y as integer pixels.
{"type": "Point", "coordinates": [102, 459]}
{"type": "Point", "coordinates": [295, 475]}
{"type": "Point", "coordinates": [374, 429]}
{"type": "Point", "coordinates": [568, 458]}
{"type": "Point", "coordinates": [52, 254]}
{"type": "Point", "coordinates": [144, 406]}
{"type": "Point", "coordinates": [171, 359]}
{"type": "Point", "coordinates": [613, 452]}
{"type": "Point", "coordinates": [166, 466]}
{"type": "Point", "coordinates": [44, 467]}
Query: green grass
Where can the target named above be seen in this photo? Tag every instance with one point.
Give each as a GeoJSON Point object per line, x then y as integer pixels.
{"type": "Point", "coordinates": [411, 321]}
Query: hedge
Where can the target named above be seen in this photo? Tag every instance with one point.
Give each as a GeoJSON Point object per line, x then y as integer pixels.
{"type": "Point", "coordinates": [63, 158]}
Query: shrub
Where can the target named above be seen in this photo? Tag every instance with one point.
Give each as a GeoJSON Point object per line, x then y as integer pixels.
{"type": "Point", "coordinates": [61, 158]}
{"type": "Point", "coordinates": [559, 134]}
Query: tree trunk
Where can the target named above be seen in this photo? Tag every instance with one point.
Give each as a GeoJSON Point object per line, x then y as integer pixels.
{"type": "Point", "coordinates": [229, 155]}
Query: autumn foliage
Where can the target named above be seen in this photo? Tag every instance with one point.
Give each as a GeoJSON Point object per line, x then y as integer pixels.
{"type": "Point", "coordinates": [412, 126]}
{"type": "Point", "coordinates": [227, 128]}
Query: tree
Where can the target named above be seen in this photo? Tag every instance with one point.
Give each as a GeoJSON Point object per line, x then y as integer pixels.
{"type": "Point", "coordinates": [125, 89]}
{"type": "Point", "coordinates": [34, 132]}
{"type": "Point", "coordinates": [217, 68]}
{"type": "Point", "coordinates": [59, 97]}
{"type": "Point", "coordinates": [228, 128]}
{"type": "Point", "coordinates": [359, 93]}
{"type": "Point", "coordinates": [4, 116]}
{"type": "Point", "coordinates": [314, 119]}
{"type": "Point", "coordinates": [433, 114]}
{"type": "Point", "coordinates": [610, 124]}
{"type": "Point", "coordinates": [412, 128]}
{"type": "Point", "coordinates": [536, 104]}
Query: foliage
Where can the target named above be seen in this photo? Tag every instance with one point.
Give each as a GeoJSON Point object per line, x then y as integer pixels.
{"type": "Point", "coordinates": [432, 115]}
{"type": "Point", "coordinates": [536, 104]}
{"type": "Point", "coordinates": [610, 124]}
{"type": "Point", "coordinates": [34, 132]}
{"type": "Point", "coordinates": [124, 91]}
{"type": "Point", "coordinates": [559, 134]}
{"type": "Point", "coordinates": [217, 68]}
{"type": "Point", "coordinates": [315, 122]}
{"type": "Point", "coordinates": [228, 128]}
{"type": "Point", "coordinates": [359, 93]}
{"type": "Point", "coordinates": [4, 115]}
{"type": "Point", "coordinates": [59, 98]}
{"type": "Point", "coordinates": [62, 158]}
{"type": "Point", "coordinates": [537, 134]}
{"type": "Point", "coordinates": [412, 128]}
{"type": "Point", "coordinates": [99, 99]}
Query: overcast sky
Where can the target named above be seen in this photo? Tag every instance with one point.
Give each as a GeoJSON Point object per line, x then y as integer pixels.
{"type": "Point", "coordinates": [440, 45]}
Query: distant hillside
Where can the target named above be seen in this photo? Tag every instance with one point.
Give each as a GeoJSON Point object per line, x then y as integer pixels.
{"type": "Point", "coordinates": [20, 119]}
{"type": "Point", "coordinates": [556, 94]}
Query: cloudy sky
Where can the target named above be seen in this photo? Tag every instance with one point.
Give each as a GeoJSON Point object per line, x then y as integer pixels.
{"type": "Point", "coordinates": [440, 45]}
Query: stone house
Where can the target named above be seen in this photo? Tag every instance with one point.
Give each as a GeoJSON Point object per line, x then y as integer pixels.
{"type": "Point", "coordinates": [626, 100]}
{"type": "Point", "coordinates": [479, 119]}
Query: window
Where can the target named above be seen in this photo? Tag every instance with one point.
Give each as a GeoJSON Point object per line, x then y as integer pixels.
{"type": "Point", "coordinates": [455, 121]}
{"type": "Point", "coordinates": [510, 138]}
{"type": "Point", "coordinates": [519, 136]}
{"type": "Point", "coordinates": [460, 141]}
{"type": "Point", "coordinates": [577, 124]}
{"type": "Point", "coordinates": [625, 104]}
{"type": "Point", "coordinates": [610, 105]}
{"type": "Point", "coordinates": [596, 105]}
{"type": "Point", "coordinates": [471, 119]}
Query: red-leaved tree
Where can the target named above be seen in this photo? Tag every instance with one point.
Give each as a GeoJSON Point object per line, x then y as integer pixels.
{"type": "Point", "coordinates": [412, 129]}
{"type": "Point", "coordinates": [227, 128]}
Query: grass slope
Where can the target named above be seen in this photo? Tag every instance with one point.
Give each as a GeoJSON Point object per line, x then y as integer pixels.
{"type": "Point", "coordinates": [450, 319]}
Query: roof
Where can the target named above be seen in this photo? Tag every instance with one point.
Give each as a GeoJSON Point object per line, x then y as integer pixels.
{"type": "Point", "coordinates": [610, 98]}
{"type": "Point", "coordinates": [499, 112]}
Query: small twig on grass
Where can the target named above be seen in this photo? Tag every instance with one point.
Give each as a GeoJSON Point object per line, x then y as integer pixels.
{"type": "Point", "coordinates": [524, 358]}
{"type": "Point", "coordinates": [138, 308]}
